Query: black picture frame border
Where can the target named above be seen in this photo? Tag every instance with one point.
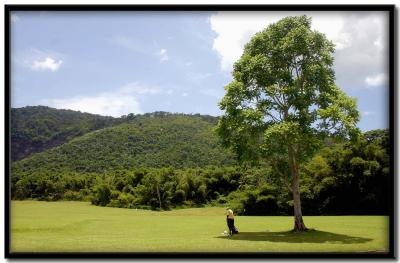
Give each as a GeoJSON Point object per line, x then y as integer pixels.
{"type": "Point", "coordinates": [392, 254]}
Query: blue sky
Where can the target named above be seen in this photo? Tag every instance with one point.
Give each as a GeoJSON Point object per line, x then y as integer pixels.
{"type": "Point", "coordinates": [115, 63]}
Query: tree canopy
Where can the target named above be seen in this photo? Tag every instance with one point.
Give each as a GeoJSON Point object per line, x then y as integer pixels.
{"type": "Point", "coordinates": [150, 140]}
{"type": "Point", "coordinates": [38, 128]}
{"type": "Point", "coordinates": [283, 99]}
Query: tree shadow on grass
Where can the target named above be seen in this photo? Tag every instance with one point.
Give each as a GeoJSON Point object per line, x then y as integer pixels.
{"type": "Point", "coordinates": [312, 236]}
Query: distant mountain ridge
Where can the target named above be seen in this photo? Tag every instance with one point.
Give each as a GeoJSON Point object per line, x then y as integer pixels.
{"type": "Point", "coordinates": [38, 128]}
{"type": "Point", "coordinates": [96, 143]}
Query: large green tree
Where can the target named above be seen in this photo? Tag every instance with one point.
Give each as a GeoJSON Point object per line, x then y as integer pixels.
{"type": "Point", "coordinates": [283, 101]}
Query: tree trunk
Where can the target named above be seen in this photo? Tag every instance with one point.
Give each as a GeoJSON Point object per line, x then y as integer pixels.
{"type": "Point", "coordinates": [158, 194]}
{"type": "Point", "coordinates": [298, 217]}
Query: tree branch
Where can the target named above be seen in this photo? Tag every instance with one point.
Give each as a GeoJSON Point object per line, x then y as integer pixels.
{"type": "Point", "coordinates": [272, 117]}
{"type": "Point", "coordinates": [284, 177]}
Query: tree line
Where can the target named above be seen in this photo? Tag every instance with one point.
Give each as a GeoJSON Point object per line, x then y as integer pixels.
{"type": "Point", "coordinates": [343, 178]}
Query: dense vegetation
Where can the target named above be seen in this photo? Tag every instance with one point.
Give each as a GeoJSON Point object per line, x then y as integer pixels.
{"type": "Point", "coordinates": [154, 141]}
{"type": "Point", "coordinates": [165, 161]}
{"type": "Point", "coordinates": [37, 128]}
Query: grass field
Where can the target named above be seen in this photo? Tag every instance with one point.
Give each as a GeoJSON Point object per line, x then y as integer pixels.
{"type": "Point", "coordinates": [82, 227]}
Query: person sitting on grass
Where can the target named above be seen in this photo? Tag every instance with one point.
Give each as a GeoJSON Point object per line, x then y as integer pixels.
{"type": "Point", "coordinates": [230, 220]}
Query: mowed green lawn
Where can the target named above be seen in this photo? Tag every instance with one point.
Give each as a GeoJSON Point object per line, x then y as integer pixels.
{"type": "Point", "coordinates": [82, 227]}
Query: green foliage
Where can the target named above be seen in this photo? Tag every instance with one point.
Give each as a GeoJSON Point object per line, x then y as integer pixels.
{"type": "Point", "coordinates": [179, 196]}
{"type": "Point", "coordinates": [283, 94]}
{"type": "Point", "coordinates": [180, 164]}
{"type": "Point", "coordinates": [262, 201]}
{"type": "Point", "coordinates": [283, 102]}
{"type": "Point", "coordinates": [72, 196]}
{"type": "Point", "coordinates": [35, 129]}
{"type": "Point", "coordinates": [102, 194]}
{"type": "Point", "coordinates": [160, 141]}
{"type": "Point", "coordinates": [350, 178]}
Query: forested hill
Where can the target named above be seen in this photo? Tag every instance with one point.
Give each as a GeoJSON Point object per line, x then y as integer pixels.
{"type": "Point", "coordinates": [37, 128]}
{"type": "Point", "coordinates": [150, 140]}
{"type": "Point", "coordinates": [123, 165]}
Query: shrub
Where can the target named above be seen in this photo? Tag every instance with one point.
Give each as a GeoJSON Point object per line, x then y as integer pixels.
{"type": "Point", "coordinates": [126, 200]}
{"type": "Point", "coordinates": [72, 196]}
{"type": "Point", "coordinates": [179, 196]}
{"type": "Point", "coordinates": [101, 195]}
{"type": "Point", "coordinates": [222, 200]}
{"type": "Point", "coordinates": [154, 204]}
{"type": "Point", "coordinates": [266, 205]}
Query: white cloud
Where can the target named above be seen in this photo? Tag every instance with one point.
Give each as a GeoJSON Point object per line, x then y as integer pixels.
{"type": "Point", "coordinates": [368, 53]}
{"type": "Point", "coordinates": [44, 64]}
{"type": "Point", "coordinates": [38, 60]}
{"type": "Point", "coordinates": [107, 104]}
{"type": "Point", "coordinates": [377, 80]}
{"type": "Point", "coordinates": [162, 54]}
{"type": "Point", "coordinates": [234, 30]}
{"type": "Point", "coordinates": [14, 18]}
{"type": "Point", "coordinates": [119, 102]}
{"type": "Point", "coordinates": [184, 94]}
{"type": "Point", "coordinates": [379, 43]}
{"type": "Point", "coordinates": [360, 38]}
